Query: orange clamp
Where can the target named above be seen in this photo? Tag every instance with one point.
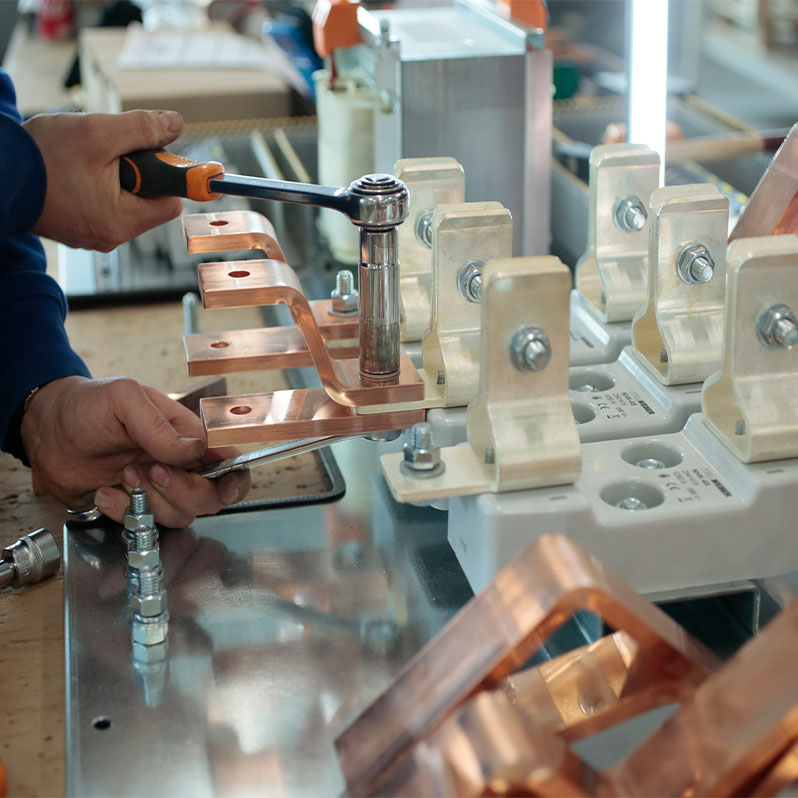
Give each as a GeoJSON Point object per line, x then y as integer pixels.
{"type": "Point", "coordinates": [334, 25]}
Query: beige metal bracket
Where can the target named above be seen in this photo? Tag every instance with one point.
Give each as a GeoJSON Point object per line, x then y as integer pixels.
{"type": "Point", "coordinates": [678, 334]}
{"type": "Point", "coordinates": [750, 404]}
{"type": "Point", "coordinates": [613, 272]}
{"type": "Point", "coordinates": [521, 432]}
{"type": "Point", "coordinates": [431, 182]}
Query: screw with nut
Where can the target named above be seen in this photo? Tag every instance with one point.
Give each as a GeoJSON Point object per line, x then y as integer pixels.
{"type": "Point", "coordinates": [422, 455]}
{"type": "Point", "coordinates": [695, 265]}
{"type": "Point", "coordinates": [530, 349]}
{"type": "Point", "coordinates": [469, 280]}
{"type": "Point", "coordinates": [778, 327]}
{"type": "Point", "coordinates": [630, 214]}
{"type": "Point", "coordinates": [345, 297]}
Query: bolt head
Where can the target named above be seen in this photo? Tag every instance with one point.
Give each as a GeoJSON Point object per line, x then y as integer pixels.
{"type": "Point", "coordinates": [630, 214]}
{"type": "Point", "coordinates": [345, 303]}
{"type": "Point", "coordinates": [421, 459]}
{"type": "Point", "coordinates": [424, 229]}
{"type": "Point", "coordinates": [149, 606]}
{"type": "Point", "coordinates": [778, 327]}
{"type": "Point", "coordinates": [144, 559]}
{"type": "Point", "coordinates": [530, 349]}
{"type": "Point", "coordinates": [150, 631]}
{"type": "Point", "coordinates": [469, 280]}
{"type": "Point", "coordinates": [133, 522]}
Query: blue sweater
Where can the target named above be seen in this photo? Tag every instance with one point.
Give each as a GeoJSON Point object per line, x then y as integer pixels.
{"type": "Point", "coordinates": [33, 343]}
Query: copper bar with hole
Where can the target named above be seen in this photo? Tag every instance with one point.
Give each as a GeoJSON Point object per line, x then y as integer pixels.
{"type": "Point", "coordinates": [493, 635]}
{"type": "Point", "coordinates": [272, 282]}
{"type": "Point", "coordinates": [289, 415]}
{"type": "Point", "coordinates": [231, 231]}
{"type": "Point", "coordinates": [255, 350]}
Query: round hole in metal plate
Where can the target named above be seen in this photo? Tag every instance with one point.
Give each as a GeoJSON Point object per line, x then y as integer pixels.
{"type": "Point", "coordinates": [220, 344]}
{"type": "Point", "coordinates": [240, 410]}
{"type": "Point", "coordinates": [582, 413]}
{"type": "Point", "coordinates": [102, 724]}
{"type": "Point", "coordinates": [238, 273]}
{"type": "Point", "coordinates": [652, 455]}
{"type": "Point", "coordinates": [219, 223]}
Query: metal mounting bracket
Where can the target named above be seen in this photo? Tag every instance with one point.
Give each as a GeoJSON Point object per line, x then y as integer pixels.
{"type": "Point", "coordinates": [678, 334]}
{"type": "Point", "coordinates": [613, 272]}
{"type": "Point", "coordinates": [431, 182]}
{"type": "Point", "coordinates": [521, 431]}
{"type": "Point", "coordinates": [750, 404]}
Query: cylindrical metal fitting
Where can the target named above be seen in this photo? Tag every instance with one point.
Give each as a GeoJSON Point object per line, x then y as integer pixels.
{"type": "Point", "coordinates": [630, 214]}
{"type": "Point", "coordinates": [379, 303]}
{"type": "Point", "coordinates": [32, 558]}
{"type": "Point", "coordinates": [530, 349]}
{"type": "Point", "coordinates": [190, 313]}
{"type": "Point", "coordinates": [695, 265]}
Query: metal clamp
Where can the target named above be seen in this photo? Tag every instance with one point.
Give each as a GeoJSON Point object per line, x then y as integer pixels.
{"type": "Point", "coordinates": [521, 430]}
{"type": "Point", "coordinates": [431, 182]}
{"type": "Point", "coordinates": [750, 403]}
{"type": "Point", "coordinates": [678, 333]}
{"type": "Point", "coordinates": [613, 272]}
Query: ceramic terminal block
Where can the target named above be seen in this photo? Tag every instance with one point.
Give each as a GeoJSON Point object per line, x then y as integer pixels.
{"type": "Point", "coordinates": [678, 333]}
{"type": "Point", "coordinates": [431, 182]}
{"type": "Point", "coordinates": [750, 403]}
{"type": "Point", "coordinates": [612, 274]}
{"type": "Point", "coordinates": [521, 431]}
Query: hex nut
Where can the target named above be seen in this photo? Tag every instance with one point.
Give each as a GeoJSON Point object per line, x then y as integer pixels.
{"type": "Point", "coordinates": [133, 522]}
{"type": "Point", "coordinates": [421, 459]}
{"type": "Point", "coordinates": [144, 559]}
{"type": "Point", "coordinates": [149, 654]}
{"type": "Point", "coordinates": [345, 303]}
{"type": "Point", "coordinates": [149, 606]}
{"type": "Point", "coordinates": [149, 632]}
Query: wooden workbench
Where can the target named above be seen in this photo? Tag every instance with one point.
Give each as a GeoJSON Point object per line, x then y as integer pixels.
{"type": "Point", "coordinates": [141, 342]}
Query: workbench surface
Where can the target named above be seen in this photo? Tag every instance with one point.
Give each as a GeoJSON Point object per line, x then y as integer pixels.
{"type": "Point", "coordinates": [143, 342]}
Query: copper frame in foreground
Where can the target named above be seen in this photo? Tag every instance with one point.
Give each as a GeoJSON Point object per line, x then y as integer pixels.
{"type": "Point", "coordinates": [272, 282]}
{"type": "Point", "coordinates": [231, 231]}
{"type": "Point", "coordinates": [255, 350]}
{"type": "Point", "coordinates": [494, 634]}
{"type": "Point", "coordinates": [288, 415]}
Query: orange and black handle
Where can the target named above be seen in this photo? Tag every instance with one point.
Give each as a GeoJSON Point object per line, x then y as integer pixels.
{"type": "Point", "coordinates": [158, 173]}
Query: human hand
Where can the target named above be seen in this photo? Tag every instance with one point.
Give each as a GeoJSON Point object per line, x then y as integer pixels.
{"type": "Point", "coordinates": [82, 435]}
{"type": "Point", "coordinates": [85, 206]}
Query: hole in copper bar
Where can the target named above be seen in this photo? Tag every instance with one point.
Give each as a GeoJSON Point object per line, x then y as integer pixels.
{"type": "Point", "coordinates": [240, 410]}
{"type": "Point", "coordinates": [220, 344]}
{"type": "Point", "coordinates": [240, 273]}
{"type": "Point", "coordinates": [219, 223]}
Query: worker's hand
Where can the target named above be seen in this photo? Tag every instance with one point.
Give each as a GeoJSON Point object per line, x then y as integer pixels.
{"type": "Point", "coordinates": [115, 435]}
{"type": "Point", "coordinates": [85, 205]}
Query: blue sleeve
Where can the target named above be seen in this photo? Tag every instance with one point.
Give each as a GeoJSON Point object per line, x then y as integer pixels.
{"type": "Point", "coordinates": [34, 348]}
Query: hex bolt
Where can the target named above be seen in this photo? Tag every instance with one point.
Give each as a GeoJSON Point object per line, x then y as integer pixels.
{"type": "Point", "coordinates": [778, 328]}
{"type": "Point", "coordinates": [650, 462]}
{"type": "Point", "coordinates": [138, 501]}
{"type": "Point", "coordinates": [345, 297]}
{"type": "Point", "coordinates": [631, 503]}
{"type": "Point", "coordinates": [695, 265]}
{"type": "Point", "coordinates": [469, 280]}
{"type": "Point", "coordinates": [630, 214]}
{"type": "Point", "coordinates": [530, 349]}
{"type": "Point", "coordinates": [422, 456]}
{"type": "Point", "coordinates": [424, 229]}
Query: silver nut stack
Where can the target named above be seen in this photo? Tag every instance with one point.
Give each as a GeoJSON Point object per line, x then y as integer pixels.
{"type": "Point", "coordinates": [148, 614]}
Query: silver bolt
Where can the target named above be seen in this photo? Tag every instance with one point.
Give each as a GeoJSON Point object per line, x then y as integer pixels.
{"type": "Point", "coordinates": [778, 328]}
{"type": "Point", "coordinates": [695, 265]}
{"type": "Point", "coordinates": [138, 501]}
{"type": "Point", "coordinates": [441, 378]}
{"type": "Point", "coordinates": [586, 388]}
{"type": "Point", "coordinates": [345, 297]}
{"type": "Point", "coordinates": [632, 503]}
{"type": "Point", "coordinates": [530, 349]}
{"type": "Point", "coordinates": [422, 456]}
{"type": "Point", "coordinates": [490, 456]}
{"type": "Point", "coordinates": [469, 280]}
{"type": "Point", "coordinates": [650, 462]}
{"type": "Point", "coordinates": [739, 427]}
{"type": "Point", "coordinates": [424, 229]}
{"type": "Point", "coordinates": [190, 313]}
{"type": "Point", "coordinates": [663, 355]}
{"type": "Point", "coordinates": [630, 214]}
